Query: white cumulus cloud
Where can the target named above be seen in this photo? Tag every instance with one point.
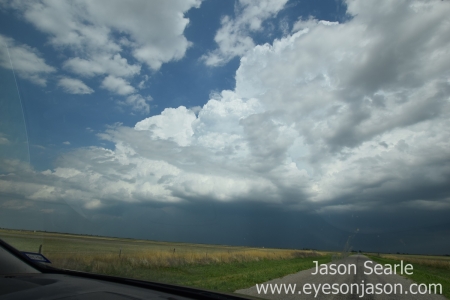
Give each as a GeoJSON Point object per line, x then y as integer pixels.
{"type": "Point", "coordinates": [138, 103]}
{"type": "Point", "coordinates": [117, 85]}
{"type": "Point", "coordinates": [108, 38]}
{"type": "Point", "coordinates": [171, 124]}
{"type": "Point", "coordinates": [233, 37]}
{"type": "Point", "coordinates": [25, 60]}
{"type": "Point", "coordinates": [102, 64]}
{"type": "Point", "coordinates": [330, 117]}
{"type": "Point", "coordinates": [74, 86]}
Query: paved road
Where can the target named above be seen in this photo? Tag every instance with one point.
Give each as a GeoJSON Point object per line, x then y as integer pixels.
{"type": "Point", "coordinates": [306, 276]}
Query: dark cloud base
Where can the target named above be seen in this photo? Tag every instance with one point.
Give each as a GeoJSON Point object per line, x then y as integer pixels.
{"type": "Point", "coordinates": [331, 136]}
{"type": "Point", "coordinates": [243, 224]}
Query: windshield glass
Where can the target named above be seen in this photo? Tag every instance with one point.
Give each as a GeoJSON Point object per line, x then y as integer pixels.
{"type": "Point", "coordinates": [191, 141]}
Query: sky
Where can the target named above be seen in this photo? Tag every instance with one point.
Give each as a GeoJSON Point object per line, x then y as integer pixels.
{"type": "Point", "coordinates": [281, 123]}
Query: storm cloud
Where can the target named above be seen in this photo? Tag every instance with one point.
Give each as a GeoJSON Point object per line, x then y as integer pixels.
{"type": "Point", "coordinates": [339, 124]}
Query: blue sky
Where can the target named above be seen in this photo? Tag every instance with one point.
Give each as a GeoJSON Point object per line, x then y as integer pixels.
{"type": "Point", "coordinates": [187, 81]}
{"type": "Point", "coordinates": [332, 113]}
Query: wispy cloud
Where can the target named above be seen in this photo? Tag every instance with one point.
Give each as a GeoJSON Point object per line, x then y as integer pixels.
{"type": "Point", "coordinates": [74, 86]}
{"type": "Point", "coordinates": [233, 37]}
{"type": "Point", "coordinates": [26, 61]}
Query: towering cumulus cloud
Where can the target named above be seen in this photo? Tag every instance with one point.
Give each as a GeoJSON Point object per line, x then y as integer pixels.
{"type": "Point", "coordinates": [332, 117]}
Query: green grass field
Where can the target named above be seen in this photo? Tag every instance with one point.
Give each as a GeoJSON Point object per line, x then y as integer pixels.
{"type": "Point", "coordinates": [215, 267]}
{"type": "Point", "coordinates": [426, 269]}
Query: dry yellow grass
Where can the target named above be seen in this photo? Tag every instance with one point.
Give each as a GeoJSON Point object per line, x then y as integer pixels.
{"type": "Point", "coordinates": [102, 263]}
{"type": "Point", "coordinates": [216, 267]}
{"type": "Point", "coordinates": [434, 262]}
{"type": "Point", "coordinates": [111, 255]}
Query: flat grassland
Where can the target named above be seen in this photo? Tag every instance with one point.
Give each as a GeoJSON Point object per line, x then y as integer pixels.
{"type": "Point", "coordinates": [215, 267]}
{"type": "Point", "coordinates": [426, 268]}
